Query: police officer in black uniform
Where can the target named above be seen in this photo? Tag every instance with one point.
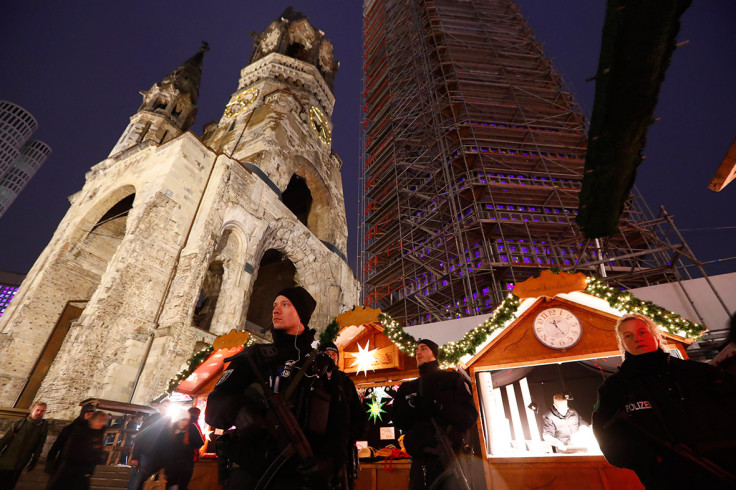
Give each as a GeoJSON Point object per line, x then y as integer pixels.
{"type": "Point", "coordinates": [255, 449]}
{"type": "Point", "coordinates": [358, 417]}
{"type": "Point", "coordinates": [440, 395]}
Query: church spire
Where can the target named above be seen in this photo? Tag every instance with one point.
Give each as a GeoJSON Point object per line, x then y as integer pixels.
{"type": "Point", "coordinates": [187, 76]}
{"type": "Point", "coordinates": [168, 108]}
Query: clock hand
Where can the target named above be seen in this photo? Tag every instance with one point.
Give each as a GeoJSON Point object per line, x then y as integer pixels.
{"type": "Point", "coordinates": [554, 322]}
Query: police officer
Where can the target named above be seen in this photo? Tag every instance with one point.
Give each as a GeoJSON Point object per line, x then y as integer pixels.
{"type": "Point", "coordinates": [287, 367]}
{"type": "Point", "coordinates": [358, 418]}
{"type": "Point", "coordinates": [440, 395]}
{"type": "Point", "coordinates": [669, 420]}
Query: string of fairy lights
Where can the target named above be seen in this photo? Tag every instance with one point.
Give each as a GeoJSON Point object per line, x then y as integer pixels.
{"type": "Point", "coordinates": [502, 316]}
{"type": "Point", "coordinates": [450, 353]}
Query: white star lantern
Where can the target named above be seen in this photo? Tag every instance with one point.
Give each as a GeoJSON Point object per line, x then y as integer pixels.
{"type": "Point", "coordinates": [364, 359]}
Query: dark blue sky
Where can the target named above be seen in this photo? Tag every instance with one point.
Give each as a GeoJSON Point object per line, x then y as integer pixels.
{"type": "Point", "coordinates": [78, 67]}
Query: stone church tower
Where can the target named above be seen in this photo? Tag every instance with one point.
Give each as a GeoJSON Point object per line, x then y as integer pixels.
{"type": "Point", "coordinates": [176, 239]}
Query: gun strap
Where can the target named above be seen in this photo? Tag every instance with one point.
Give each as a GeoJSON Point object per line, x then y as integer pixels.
{"type": "Point", "coordinates": [300, 374]}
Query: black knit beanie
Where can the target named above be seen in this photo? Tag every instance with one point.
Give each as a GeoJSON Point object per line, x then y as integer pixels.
{"type": "Point", "coordinates": [329, 346]}
{"type": "Point", "coordinates": [302, 301]}
{"type": "Point", "coordinates": [432, 346]}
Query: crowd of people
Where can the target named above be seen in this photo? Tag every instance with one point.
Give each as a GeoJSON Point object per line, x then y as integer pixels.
{"type": "Point", "coordinates": [289, 419]}
{"type": "Point", "coordinates": [163, 443]}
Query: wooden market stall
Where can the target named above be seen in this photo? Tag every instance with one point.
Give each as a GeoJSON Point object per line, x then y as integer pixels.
{"type": "Point", "coordinates": [125, 421]}
{"type": "Point", "coordinates": [517, 372]}
{"type": "Point", "coordinates": [375, 364]}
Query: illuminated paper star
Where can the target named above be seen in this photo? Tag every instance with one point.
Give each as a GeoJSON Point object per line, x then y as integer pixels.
{"type": "Point", "coordinates": [206, 433]}
{"type": "Point", "coordinates": [364, 359]}
{"type": "Point", "coordinates": [375, 409]}
{"type": "Point", "coordinates": [380, 393]}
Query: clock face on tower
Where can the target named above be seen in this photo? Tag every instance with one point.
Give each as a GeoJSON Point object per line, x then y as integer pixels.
{"type": "Point", "coordinates": [557, 328]}
{"type": "Point", "coordinates": [241, 102]}
{"type": "Point", "coordinates": [320, 125]}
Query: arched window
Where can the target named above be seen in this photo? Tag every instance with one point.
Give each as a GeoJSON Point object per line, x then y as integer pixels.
{"type": "Point", "coordinates": [297, 50]}
{"type": "Point", "coordinates": [160, 104]}
{"type": "Point", "coordinates": [298, 198]}
{"type": "Point", "coordinates": [208, 296]}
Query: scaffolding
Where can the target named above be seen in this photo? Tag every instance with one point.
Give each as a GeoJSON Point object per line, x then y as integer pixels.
{"type": "Point", "coordinates": [473, 156]}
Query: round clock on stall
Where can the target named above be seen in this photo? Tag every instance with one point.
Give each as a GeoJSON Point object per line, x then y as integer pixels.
{"type": "Point", "coordinates": [557, 328]}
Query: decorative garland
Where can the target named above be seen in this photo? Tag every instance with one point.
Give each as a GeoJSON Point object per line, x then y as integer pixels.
{"type": "Point", "coordinates": [193, 364]}
{"type": "Point", "coordinates": [451, 352]}
{"type": "Point", "coordinates": [329, 334]}
{"type": "Point", "coordinates": [505, 313]}
{"type": "Point", "coordinates": [622, 300]}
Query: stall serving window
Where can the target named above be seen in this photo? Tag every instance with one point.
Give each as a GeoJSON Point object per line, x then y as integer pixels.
{"type": "Point", "coordinates": [542, 410]}
{"type": "Point", "coordinates": [377, 402]}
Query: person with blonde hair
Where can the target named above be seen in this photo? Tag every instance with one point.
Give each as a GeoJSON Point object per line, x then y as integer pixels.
{"type": "Point", "coordinates": [669, 420]}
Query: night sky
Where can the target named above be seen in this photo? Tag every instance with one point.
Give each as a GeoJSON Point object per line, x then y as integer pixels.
{"type": "Point", "coordinates": [78, 66]}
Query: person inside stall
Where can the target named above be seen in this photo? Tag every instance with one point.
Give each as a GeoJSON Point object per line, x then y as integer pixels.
{"type": "Point", "coordinates": [668, 419]}
{"type": "Point", "coordinates": [561, 423]}
{"type": "Point", "coordinates": [437, 400]}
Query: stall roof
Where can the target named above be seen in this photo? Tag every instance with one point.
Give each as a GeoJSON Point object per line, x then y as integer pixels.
{"type": "Point", "coordinates": [116, 406]}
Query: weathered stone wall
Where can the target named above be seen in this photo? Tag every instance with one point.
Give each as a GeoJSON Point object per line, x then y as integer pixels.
{"type": "Point", "coordinates": [238, 200]}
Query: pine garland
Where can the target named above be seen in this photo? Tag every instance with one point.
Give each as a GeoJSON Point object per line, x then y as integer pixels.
{"type": "Point", "coordinates": [329, 334]}
{"type": "Point", "coordinates": [451, 352]}
{"type": "Point", "coordinates": [624, 301]}
{"type": "Point", "coordinates": [193, 364]}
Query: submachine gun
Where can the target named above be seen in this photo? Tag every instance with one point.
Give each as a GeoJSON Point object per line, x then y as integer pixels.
{"type": "Point", "coordinates": [450, 462]}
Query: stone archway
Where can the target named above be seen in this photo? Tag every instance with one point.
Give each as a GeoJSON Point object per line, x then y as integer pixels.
{"type": "Point", "coordinates": [322, 214]}
{"type": "Point", "coordinates": [74, 279]}
{"type": "Point", "coordinates": [221, 276]}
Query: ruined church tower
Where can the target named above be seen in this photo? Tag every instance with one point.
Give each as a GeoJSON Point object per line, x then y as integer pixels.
{"type": "Point", "coordinates": [176, 239]}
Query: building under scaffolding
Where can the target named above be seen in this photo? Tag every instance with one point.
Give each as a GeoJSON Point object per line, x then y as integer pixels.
{"type": "Point", "coordinates": [473, 161]}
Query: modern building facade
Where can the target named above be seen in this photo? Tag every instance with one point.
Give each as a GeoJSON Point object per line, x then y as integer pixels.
{"type": "Point", "coordinates": [176, 239]}
{"type": "Point", "coordinates": [9, 283]}
{"type": "Point", "coordinates": [20, 157]}
{"type": "Point", "coordinates": [473, 160]}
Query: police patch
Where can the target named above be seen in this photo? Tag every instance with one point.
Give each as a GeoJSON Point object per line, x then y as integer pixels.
{"type": "Point", "coordinates": [224, 376]}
